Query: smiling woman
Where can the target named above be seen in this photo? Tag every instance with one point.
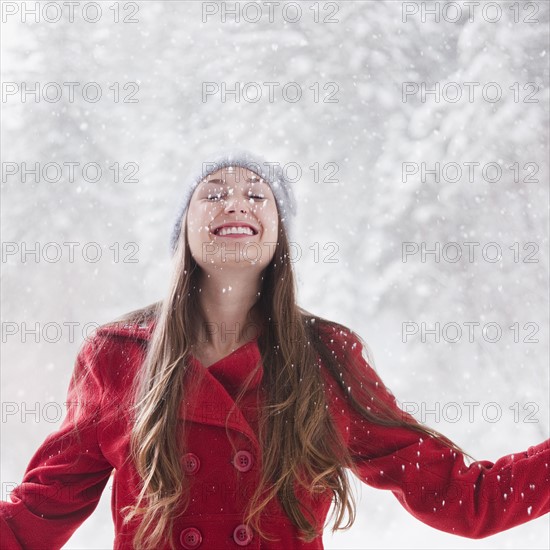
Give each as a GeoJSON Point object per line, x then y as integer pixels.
{"type": "Point", "coordinates": [232, 227]}
{"type": "Point", "coordinates": [233, 204]}
{"type": "Point", "coordinates": [222, 436]}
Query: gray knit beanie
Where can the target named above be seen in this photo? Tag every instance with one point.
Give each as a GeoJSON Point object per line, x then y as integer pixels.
{"type": "Point", "coordinates": [271, 172]}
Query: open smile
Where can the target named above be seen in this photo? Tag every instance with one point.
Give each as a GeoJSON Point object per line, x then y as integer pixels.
{"type": "Point", "coordinates": [235, 230]}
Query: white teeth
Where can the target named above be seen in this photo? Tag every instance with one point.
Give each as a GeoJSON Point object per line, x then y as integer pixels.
{"type": "Point", "coordinates": [235, 231]}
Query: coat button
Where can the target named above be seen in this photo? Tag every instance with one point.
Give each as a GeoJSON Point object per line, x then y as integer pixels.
{"type": "Point", "coordinates": [242, 535]}
{"type": "Point", "coordinates": [190, 538]}
{"type": "Point", "coordinates": [242, 461]}
{"type": "Point", "coordinates": [191, 463]}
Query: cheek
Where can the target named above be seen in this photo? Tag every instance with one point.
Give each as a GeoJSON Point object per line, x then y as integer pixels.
{"type": "Point", "coordinates": [270, 221]}
{"type": "Point", "coordinates": [271, 229]}
{"type": "Point", "coordinates": [197, 228]}
{"type": "Point", "coordinates": [198, 219]}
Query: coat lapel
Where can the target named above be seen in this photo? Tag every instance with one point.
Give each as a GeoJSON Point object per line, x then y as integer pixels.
{"type": "Point", "coordinates": [209, 402]}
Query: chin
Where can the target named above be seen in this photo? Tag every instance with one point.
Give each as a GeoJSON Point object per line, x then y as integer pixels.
{"type": "Point", "coordinates": [219, 264]}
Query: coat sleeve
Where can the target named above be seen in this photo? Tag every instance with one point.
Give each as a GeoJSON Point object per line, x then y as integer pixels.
{"type": "Point", "coordinates": [65, 478]}
{"type": "Point", "coordinates": [433, 482]}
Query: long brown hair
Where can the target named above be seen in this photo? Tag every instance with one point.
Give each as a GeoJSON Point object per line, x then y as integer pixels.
{"type": "Point", "coordinates": [301, 446]}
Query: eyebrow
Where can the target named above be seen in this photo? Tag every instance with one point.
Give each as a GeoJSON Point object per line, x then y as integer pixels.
{"type": "Point", "coordinates": [255, 179]}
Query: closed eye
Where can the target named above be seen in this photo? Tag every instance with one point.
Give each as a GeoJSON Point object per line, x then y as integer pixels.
{"type": "Point", "coordinates": [214, 197]}
{"type": "Point", "coordinates": [218, 196]}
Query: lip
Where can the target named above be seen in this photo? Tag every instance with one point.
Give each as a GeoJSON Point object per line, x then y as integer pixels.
{"type": "Point", "coordinates": [234, 224]}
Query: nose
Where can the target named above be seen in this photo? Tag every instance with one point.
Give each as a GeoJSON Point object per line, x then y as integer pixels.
{"type": "Point", "coordinates": [235, 201]}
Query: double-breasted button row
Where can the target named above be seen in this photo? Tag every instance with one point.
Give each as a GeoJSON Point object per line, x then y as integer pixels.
{"type": "Point", "coordinates": [191, 537]}
{"type": "Point", "coordinates": [242, 461]}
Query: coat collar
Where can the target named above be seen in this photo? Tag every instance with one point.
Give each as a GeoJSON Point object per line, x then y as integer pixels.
{"type": "Point", "coordinates": [208, 400]}
{"type": "Point", "coordinates": [234, 369]}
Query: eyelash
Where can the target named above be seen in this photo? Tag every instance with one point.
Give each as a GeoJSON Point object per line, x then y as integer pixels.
{"type": "Point", "coordinates": [218, 196]}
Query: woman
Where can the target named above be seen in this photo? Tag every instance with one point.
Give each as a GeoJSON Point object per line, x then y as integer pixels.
{"type": "Point", "coordinates": [230, 415]}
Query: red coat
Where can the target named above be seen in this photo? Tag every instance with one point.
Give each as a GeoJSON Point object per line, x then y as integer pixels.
{"type": "Point", "coordinates": [65, 478]}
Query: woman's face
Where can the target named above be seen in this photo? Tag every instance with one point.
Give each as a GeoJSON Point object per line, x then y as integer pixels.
{"type": "Point", "coordinates": [232, 220]}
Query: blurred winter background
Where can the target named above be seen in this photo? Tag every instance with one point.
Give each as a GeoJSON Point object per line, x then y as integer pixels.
{"type": "Point", "coordinates": [351, 224]}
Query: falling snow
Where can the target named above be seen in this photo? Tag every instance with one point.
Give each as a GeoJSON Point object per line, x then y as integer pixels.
{"type": "Point", "coordinates": [351, 225]}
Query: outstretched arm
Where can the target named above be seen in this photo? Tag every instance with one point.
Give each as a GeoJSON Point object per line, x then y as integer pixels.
{"type": "Point", "coordinates": [66, 476]}
{"type": "Point", "coordinates": [434, 485]}
{"type": "Point", "coordinates": [433, 482]}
